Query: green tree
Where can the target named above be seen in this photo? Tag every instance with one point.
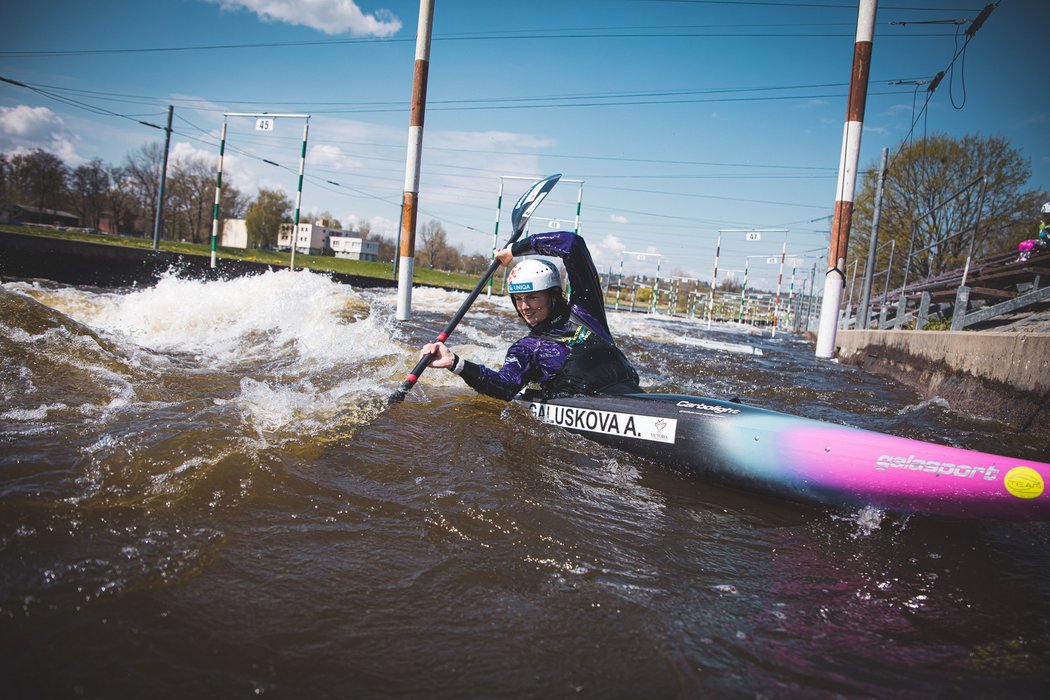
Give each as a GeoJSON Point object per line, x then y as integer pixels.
{"type": "Point", "coordinates": [39, 179]}
{"type": "Point", "coordinates": [919, 194]}
{"type": "Point", "coordinates": [265, 216]}
{"type": "Point", "coordinates": [325, 216]}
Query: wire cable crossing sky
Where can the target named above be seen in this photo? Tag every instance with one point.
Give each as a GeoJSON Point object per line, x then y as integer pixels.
{"type": "Point", "coordinates": [684, 118]}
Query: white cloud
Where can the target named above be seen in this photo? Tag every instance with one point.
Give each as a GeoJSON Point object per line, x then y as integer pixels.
{"type": "Point", "coordinates": [183, 151]}
{"type": "Point", "coordinates": [329, 16]}
{"type": "Point", "coordinates": [329, 156]}
{"type": "Point", "coordinates": [607, 251]}
{"type": "Point", "coordinates": [618, 218]}
{"type": "Point", "coordinates": [24, 128]}
{"type": "Point", "coordinates": [377, 225]}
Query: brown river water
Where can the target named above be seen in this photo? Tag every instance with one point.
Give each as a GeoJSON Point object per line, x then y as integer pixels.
{"type": "Point", "coordinates": [203, 493]}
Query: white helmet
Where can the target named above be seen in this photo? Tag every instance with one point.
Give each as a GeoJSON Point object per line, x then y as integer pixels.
{"type": "Point", "coordinates": [533, 275]}
{"type": "Point", "coordinates": [1046, 208]}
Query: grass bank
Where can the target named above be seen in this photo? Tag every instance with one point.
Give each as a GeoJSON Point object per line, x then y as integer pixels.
{"type": "Point", "coordinates": [319, 263]}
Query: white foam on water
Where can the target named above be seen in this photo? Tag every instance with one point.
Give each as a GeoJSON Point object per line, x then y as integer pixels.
{"type": "Point", "coordinates": [245, 319]}
{"type": "Point", "coordinates": [673, 331]}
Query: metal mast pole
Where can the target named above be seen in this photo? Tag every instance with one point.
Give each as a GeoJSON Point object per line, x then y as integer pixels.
{"type": "Point", "coordinates": [158, 222]}
{"type": "Point", "coordinates": [864, 305]}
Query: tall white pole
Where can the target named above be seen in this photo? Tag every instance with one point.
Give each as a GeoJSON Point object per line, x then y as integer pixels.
{"type": "Point", "coordinates": [406, 266]}
{"type": "Point", "coordinates": [835, 279]}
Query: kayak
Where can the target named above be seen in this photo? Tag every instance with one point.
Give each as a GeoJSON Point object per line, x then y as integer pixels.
{"type": "Point", "coordinates": [802, 459]}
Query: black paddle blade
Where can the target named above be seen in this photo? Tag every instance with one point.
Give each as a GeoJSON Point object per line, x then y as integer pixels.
{"type": "Point", "coordinates": [527, 203]}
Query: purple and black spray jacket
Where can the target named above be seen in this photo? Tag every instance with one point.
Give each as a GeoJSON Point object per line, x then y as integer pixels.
{"type": "Point", "coordinates": [572, 352]}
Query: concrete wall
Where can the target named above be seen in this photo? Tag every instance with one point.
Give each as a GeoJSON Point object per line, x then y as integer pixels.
{"type": "Point", "coordinates": [1001, 376]}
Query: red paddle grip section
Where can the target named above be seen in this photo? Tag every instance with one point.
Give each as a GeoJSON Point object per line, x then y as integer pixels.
{"type": "Point", "coordinates": [411, 379]}
{"type": "Point", "coordinates": [442, 337]}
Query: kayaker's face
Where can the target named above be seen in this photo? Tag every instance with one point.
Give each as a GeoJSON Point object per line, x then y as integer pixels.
{"type": "Point", "coordinates": [534, 307]}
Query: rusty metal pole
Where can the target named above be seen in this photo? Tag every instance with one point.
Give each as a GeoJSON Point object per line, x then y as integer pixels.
{"type": "Point", "coordinates": [835, 279]}
{"type": "Point", "coordinates": [407, 252]}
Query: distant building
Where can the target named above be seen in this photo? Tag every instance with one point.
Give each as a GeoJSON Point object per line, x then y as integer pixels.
{"type": "Point", "coordinates": [25, 214]}
{"type": "Point", "coordinates": [316, 238]}
{"type": "Point", "coordinates": [354, 248]}
{"type": "Point", "coordinates": [234, 233]}
{"type": "Point", "coordinates": [310, 239]}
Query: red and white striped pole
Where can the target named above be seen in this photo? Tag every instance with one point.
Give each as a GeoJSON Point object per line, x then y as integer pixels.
{"type": "Point", "coordinates": [834, 280]}
{"type": "Point", "coordinates": [409, 204]}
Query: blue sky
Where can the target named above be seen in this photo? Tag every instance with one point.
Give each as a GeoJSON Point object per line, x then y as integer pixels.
{"type": "Point", "coordinates": [682, 117]}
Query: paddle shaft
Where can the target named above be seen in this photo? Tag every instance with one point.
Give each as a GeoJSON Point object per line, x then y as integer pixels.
{"type": "Point", "coordinates": [519, 217]}
{"type": "Point", "coordinates": [441, 337]}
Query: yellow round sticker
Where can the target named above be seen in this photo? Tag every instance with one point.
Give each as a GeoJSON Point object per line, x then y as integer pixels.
{"type": "Point", "coordinates": [1024, 482]}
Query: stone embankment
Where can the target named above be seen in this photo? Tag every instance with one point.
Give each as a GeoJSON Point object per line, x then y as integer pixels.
{"type": "Point", "coordinates": [1003, 375]}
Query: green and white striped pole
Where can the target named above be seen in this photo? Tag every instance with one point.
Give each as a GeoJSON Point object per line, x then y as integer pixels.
{"type": "Point", "coordinates": [495, 231]}
{"type": "Point", "coordinates": [579, 202]}
{"type": "Point", "coordinates": [656, 285]}
{"type": "Point", "coordinates": [218, 195]}
{"type": "Point", "coordinates": [299, 194]}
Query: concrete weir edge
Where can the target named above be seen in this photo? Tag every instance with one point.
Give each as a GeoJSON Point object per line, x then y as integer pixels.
{"type": "Point", "coordinates": [1000, 376]}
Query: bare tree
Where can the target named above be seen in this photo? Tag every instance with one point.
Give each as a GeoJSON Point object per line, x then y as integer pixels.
{"type": "Point", "coordinates": [120, 199]}
{"type": "Point", "coordinates": [89, 185]}
{"type": "Point", "coordinates": [189, 209]}
{"type": "Point", "coordinates": [433, 243]}
{"type": "Point", "coordinates": [142, 169]}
